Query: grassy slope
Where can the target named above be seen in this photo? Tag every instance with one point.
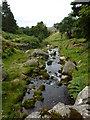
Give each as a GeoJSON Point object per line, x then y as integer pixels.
{"type": "Point", "coordinates": [13, 58]}
{"type": "Point", "coordinates": [75, 50]}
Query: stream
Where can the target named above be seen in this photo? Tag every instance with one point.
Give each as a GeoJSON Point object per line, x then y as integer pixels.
{"type": "Point", "coordinates": [53, 93]}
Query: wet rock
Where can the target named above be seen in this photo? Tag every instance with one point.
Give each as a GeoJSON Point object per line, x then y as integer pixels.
{"type": "Point", "coordinates": [32, 62]}
{"type": "Point", "coordinates": [53, 53]}
{"type": "Point", "coordinates": [38, 52]}
{"type": "Point", "coordinates": [65, 79]}
{"type": "Point", "coordinates": [68, 67]}
{"type": "Point", "coordinates": [49, 62]}
{"type": "Point", "coordinates": [62, 60]}
{"type": "Point", "coordinates": [4, 75]}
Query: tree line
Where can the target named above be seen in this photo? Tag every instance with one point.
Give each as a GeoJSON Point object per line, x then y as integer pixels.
{"type": "Point", "coordinates": [77, 23]}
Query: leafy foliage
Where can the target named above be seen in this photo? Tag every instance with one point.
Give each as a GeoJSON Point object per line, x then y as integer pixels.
{"type": "Point", "coordinates": [66, 25]}
{"type": "Point", "coordinates": [40, 31]}
{"type": "Point", "coordinates": [82, 10]}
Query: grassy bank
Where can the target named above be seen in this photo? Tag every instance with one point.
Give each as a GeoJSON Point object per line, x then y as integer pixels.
{"type": "Point", "coordinates": [18, 75]}
{"type": "Point", "coordinates": [75, 50]}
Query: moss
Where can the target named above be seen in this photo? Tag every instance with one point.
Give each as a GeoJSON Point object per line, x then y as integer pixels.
{"type": "Point", "coordinates": [41, 87]}
{"type": "Point", "coordinates": [75, 115]}
{"type": "Point", "coordinates": [39, 98]}
{"type": "Point", "coordinates": [44, 74]}
{"type": "Point", "coordinates": [38, 92]}
{"type": "Point", "coordinates": [38, 95]}
{"type": "Point", "coordinates": [55, 116]}
{"type": "Point", "coordinates": [44, 112]}
{"type": "Point", "coordinates": [29, 103]}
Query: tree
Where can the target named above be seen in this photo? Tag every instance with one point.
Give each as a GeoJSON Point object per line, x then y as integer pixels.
{"type": "Point", "coordinates": [82, 11]}
{"type": "Point", "coordinates": [8, 21]}
{"type": "Point", "coordinates": [40, 31]}
{"type": "Point", "coordinates": [66, 25]}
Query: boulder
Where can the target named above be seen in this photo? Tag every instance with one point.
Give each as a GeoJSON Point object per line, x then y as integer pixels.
{"type": "Point", "coordinates": [33, 115]}
{"type": "Point", "coordinates": [32, 62]}
{"type": "Point", "coordinates": [61, 108]}
{"type": "Point", "coordinates": [83, 97]}
{"type": "Point", "coordinates": [68, 67]}
{"type": "Point", "coordinates": [38, 53]}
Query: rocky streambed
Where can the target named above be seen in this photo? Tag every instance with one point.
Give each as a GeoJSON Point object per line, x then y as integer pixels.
{"type": "Point", "coordinates": [52, 92]}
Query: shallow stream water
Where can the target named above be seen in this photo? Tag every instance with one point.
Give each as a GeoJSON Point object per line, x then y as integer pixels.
{"type": "Point", "coordinates": [53, 93]}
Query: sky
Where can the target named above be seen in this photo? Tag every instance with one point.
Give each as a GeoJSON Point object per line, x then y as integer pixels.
{"type": "Point", "coordinates": [29, 12]}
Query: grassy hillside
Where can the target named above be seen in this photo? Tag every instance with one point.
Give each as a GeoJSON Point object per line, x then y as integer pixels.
{"type": "Point", "coordinates": [75, 50]}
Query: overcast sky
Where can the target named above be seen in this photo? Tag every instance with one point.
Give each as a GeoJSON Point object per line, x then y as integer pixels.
{"type": "Point", "coordinates": [29, 12]}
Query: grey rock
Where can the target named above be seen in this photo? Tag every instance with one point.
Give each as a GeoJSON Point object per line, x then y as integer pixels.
{"type": "Point", "coordinates": [68, 67]}
{"type": "Point", "coordinates": [83, 97]}
{"type": "Point", "coordinates": [61, 108]}
{"type": "Point", "coordinates": [32, 62]}
{"type": "Point", "coordinates": [33, 115]}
